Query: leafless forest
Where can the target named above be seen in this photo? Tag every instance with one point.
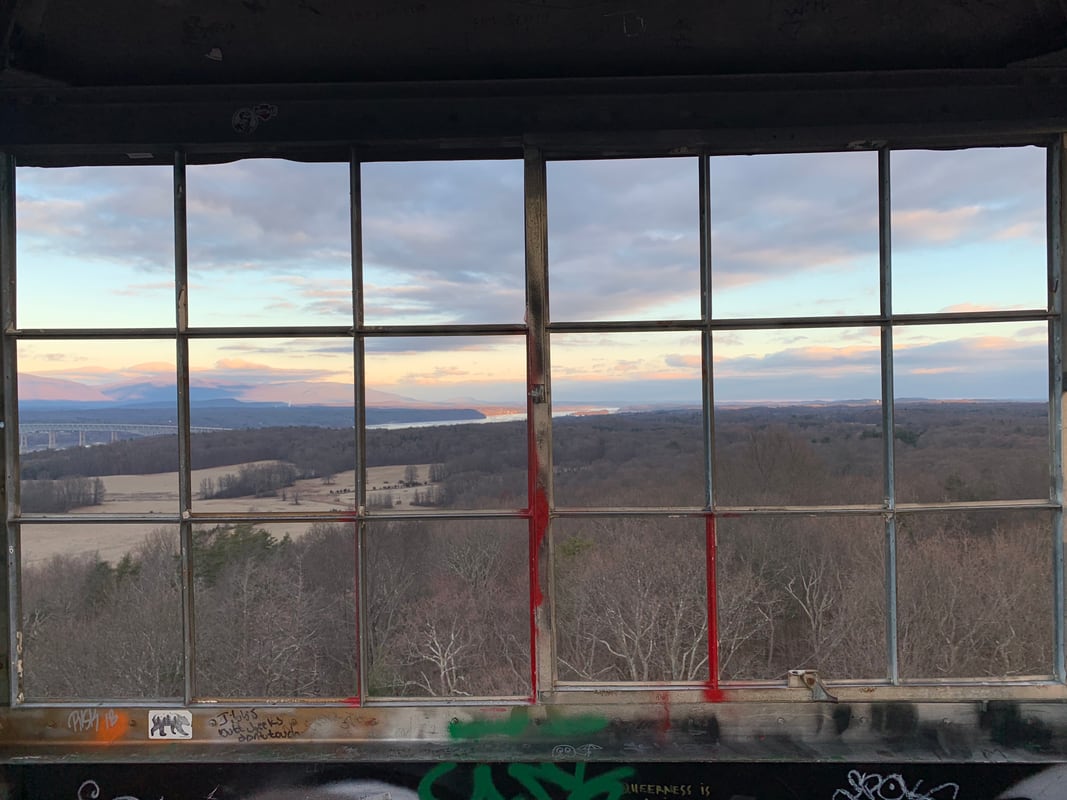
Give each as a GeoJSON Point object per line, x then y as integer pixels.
{"type": "Point", "coordinates": [447, 601]}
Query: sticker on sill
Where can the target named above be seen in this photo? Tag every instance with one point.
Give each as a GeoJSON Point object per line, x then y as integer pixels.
{"type": "Point", "coordinates": [170, 724]}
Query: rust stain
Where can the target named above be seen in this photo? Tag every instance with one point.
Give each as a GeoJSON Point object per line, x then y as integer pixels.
{"type": "Point", "coordinates": [664, 726]}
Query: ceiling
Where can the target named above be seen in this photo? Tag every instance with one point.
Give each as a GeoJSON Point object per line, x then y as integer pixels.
{"type": "Point", "coordinates": [109, 81]}
{"type": "Point", "coordinates": [217, 42]}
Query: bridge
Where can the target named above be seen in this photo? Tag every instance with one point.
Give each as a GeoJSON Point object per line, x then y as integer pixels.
{"type": "Point", "coordinates": [114, 429]}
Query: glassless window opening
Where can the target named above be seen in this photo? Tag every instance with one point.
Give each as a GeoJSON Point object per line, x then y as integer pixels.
{"type": "Point", "coordinates": [771, 413]}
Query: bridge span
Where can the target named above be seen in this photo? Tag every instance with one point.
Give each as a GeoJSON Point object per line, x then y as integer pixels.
{"type": "Point", "coordinates": [113, 429]}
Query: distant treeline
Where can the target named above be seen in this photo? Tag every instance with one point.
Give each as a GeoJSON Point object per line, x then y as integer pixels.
{"type": "Point", "coordinates": [57, 497]}
{"type": "Point", "coordinates": [252, 480]}
{"type": "Point", "coordinates": [780, 455]}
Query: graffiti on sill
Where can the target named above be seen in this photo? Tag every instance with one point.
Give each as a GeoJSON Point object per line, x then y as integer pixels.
{"type": "Point", "coordinates": [82, 720]}
{"type": "Point", "coordinates": [170, 724]}
{"type": "Point", "coordinates": [90, 790]}
{"type": "Point", "coordinates": [518, 723]}
{"type": "Point", "coordinates": [873, 786]}
{"type": "Point", "coordinates": [249, 725]}
{"type": "Point", "coordinates": [540, 781]}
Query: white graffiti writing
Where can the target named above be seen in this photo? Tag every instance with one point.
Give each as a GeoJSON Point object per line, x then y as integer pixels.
{"type": "Point", "coordinates": [872, 786]}
{"type": "Point", "coordinates": [89, 719]}
{"type": "Point", "coordinates": [90, 790]}
{"type": "Point", "coordinates": [581, 751]}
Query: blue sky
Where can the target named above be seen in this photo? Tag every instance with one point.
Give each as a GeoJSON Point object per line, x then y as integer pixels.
{"type": "Point", "coordinates": [269, 244]}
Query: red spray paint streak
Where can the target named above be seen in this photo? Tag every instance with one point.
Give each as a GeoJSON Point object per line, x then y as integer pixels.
{"type": "Point", "coordinates": [712, 692]}
{"type": "Point", "coordinates": [538, 520]}
{"type": "Point", "coordinates": [538, 531]}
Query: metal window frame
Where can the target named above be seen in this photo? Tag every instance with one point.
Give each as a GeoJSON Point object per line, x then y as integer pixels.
{"type": "Point", "coordinates": [546, 689]}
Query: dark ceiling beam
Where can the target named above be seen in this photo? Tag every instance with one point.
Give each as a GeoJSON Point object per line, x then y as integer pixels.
{"type": "Point", "coordinates": [716, 114]}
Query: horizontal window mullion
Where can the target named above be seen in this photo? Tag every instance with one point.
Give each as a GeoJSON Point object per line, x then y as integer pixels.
{"type": "Point", "coordinates": [383, 331]}
{"type": "Point", "coordinates": [625, 327]}
{"type": "Point", "coordinates": [45, 334]}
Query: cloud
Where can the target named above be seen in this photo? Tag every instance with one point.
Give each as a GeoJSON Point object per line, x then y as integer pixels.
{"type": "Point", "coordinates": [966, 308]}
{"type": "Point", "coordinates": [802, 363]}
{"type": "Point", "coordinates": [269, 216]}
{"type": "Point", "coordinates": [120, 215]}
{"type": "Point", "coordinates": [443, 242]}
{"type": "Point", "coordinates": [682, 361]}
{"type": "Point", "coordinates": [623, 238]}
{"type": "Point", "coordinates": [239, 364]}
{"type": "Point", "coordinates": [414, 345]}
{"type": "Point", "coordinates": [933, 225]}
{"type": "Point", "coordinates": [951, 197]}
{"type": "Point", "coordinates": [439, 375]}
{"type": "Point", "coordinates": [140, 289]}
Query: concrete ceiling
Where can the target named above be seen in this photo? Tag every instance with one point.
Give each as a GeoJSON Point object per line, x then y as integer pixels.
{"type": "Point", "coordinates": [213, 42]}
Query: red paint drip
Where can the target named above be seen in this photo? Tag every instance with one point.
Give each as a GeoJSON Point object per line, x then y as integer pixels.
{"type": "Point", "coordinates": [538, 515]}
{"type": "Point", "coordinates": [353, 702]}
{"type": "Point", "coordinates": [538, 531]}
{"type": "Point", "coordinates": [712, 693]}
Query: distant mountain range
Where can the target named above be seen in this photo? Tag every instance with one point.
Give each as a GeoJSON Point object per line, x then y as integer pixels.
{"type": "Point", "coordinates": [43, 399]}
{"type": "Point", "coordinates": [36, 388]}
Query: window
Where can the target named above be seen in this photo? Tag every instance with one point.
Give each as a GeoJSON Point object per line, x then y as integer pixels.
{"type": "Point", "coordinates": [507, 431]}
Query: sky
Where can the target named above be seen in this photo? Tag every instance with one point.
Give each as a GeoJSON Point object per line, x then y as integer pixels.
{"type": "Point", "coordinates": [792, 235]}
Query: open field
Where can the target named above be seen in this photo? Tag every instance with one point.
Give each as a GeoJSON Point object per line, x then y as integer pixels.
{"type": "Point", "coordinates": [158, 494]}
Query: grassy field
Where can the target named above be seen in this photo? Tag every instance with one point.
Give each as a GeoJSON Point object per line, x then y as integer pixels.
{"type": "Point", "coordinates": [158, 494]}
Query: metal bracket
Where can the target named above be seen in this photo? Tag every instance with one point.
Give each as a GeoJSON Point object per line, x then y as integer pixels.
{"type": "Point", "coordinates": [809, 678]}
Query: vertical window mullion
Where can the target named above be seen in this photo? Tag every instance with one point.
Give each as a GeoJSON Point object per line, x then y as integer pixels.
{"type": "Point", "coordinates": [885, 273]}
{"type": "Point", "coordinates": [1056, 210]}
{"type": "Point", "coordinates": [707, 379]}
{"type": "Point", "coordinates": [360, 411]}
{"type": "Point", "coordinates": [539, 422]}
{"type": "Point", "coordinates": [10, 689]}
{"type": "Point", "coordinates": [185, 497]}
{"type": "Point", "coordinates": [704, 165]}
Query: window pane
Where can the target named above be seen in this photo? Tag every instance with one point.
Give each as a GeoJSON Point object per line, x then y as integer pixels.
{"type": "Point", "coordinates": [275, 610]}
{"type": "Point", "coordinates": [443, 242]}
{"type": "Point", "coordinates": [631, 599]}
{"type": "Point", "coordinates": [962, 221]}
{"type": "Point", "coordinates": [975, 594]}
{"type": "Point", "coordinates": [95, 247]}
{"type": "Point", "coordinates": [624, 239]}
{"type": "Point", "coordinates": [447, 422]}
{"type": "Point", "coordinates": [794, 235]}
{"type": "Point", "coordinates": [971, 412]}
{"type": "Point", "coordinates": [272, 424]}
{"type": "Point", "coordinates": [101, 611]}
{"type": "Point", "coordinates": [448, 608]}
{"type": "Point", "coordinates": [627, 427]}
{"type": "Point", "coordinates": [98, 427]}
{"type": "Point", "coordinates": [269, 244]}
{"type": "Point", "coordinates": [801, 593]}
{"type": "Point", "coordinates": [793, 412]}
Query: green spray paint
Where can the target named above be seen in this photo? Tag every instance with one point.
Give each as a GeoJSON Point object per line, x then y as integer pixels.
{"type": "Point", "coordinates": [518, 723]}
{"type": "Point", "coordinates": [540, 781]}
